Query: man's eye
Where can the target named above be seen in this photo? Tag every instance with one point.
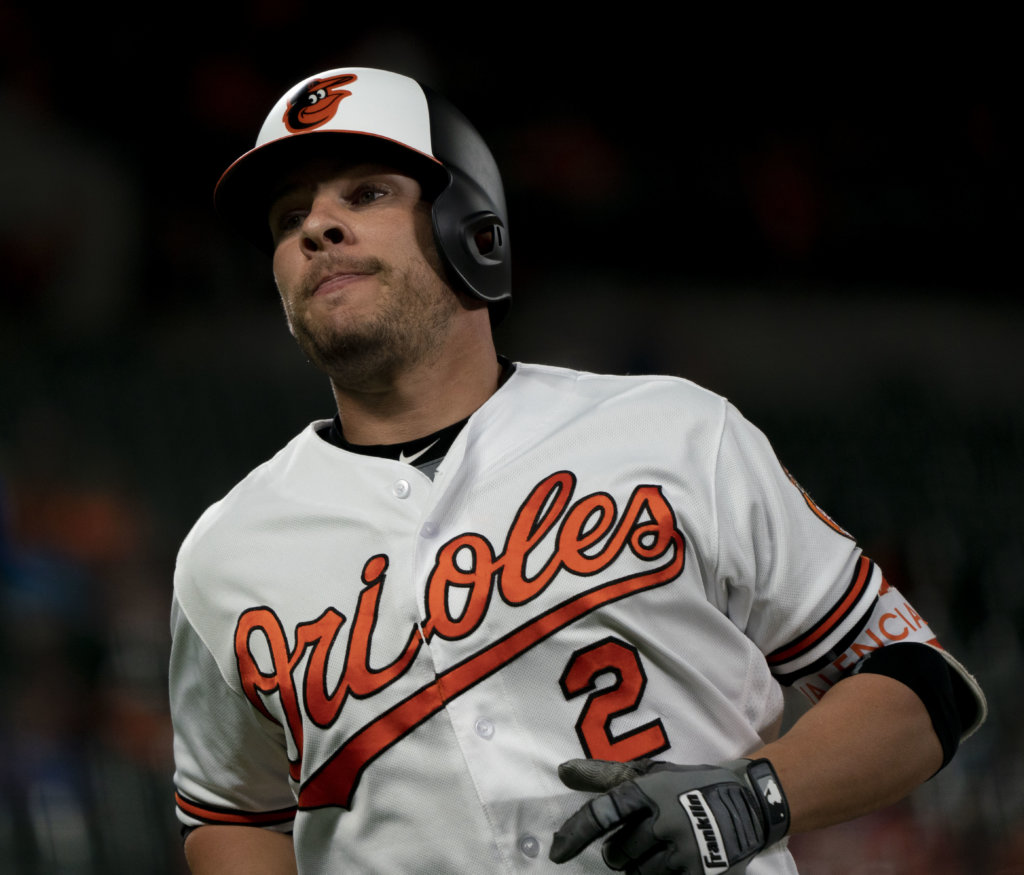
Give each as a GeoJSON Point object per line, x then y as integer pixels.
{"type": "Point", "coordinates": [289, 221]}
{"type": "Point", "coordinates": [367, 194]}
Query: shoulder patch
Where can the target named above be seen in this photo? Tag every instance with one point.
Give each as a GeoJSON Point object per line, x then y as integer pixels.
{"type": "Point", "coordinates": [817, 511]}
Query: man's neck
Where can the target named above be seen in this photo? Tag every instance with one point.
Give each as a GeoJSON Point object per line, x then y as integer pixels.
{"type": "Point", "coordinates": [423, 399]}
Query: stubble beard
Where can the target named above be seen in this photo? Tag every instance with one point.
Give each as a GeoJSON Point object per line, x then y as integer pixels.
{"type": "Point", "coordinates": [408, 326]}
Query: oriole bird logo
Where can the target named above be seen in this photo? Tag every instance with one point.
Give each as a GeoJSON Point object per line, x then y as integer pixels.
{"type": "Point", "coordinates": [316, 103]}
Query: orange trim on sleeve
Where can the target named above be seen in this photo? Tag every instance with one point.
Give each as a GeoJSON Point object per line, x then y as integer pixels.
{"type": "Point", "coordinates": [834, 618]}
{"type": "Point", "coordinates": [232, 816]}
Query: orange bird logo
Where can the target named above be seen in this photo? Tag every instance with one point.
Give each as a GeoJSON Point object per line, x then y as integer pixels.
{"type": "Point", "coordinates": [316, 103]}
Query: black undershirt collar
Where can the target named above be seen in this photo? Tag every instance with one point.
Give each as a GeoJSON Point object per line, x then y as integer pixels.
{"type": "Point", "coordinates": [421, 452]}
{"type": "Point", "coordinates": [424, 452]}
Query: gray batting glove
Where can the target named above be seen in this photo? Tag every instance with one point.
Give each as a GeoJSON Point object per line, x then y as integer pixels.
{"type": "Point", "coordinates": [674, 819]}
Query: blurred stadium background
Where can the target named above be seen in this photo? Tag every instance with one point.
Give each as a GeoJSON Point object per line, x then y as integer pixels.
{"type": "Point", "coordinates": [830, 237]}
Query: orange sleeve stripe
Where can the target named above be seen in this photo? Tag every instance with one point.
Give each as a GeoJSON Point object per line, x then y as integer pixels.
{"type": "Point", "coordinates": [835, 617]}
{"type": "Point", "coordinates": [232, 816]}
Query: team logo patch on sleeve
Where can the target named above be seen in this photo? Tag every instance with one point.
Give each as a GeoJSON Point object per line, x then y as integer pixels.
{"type": "Point", "coordinates": [817, 511]}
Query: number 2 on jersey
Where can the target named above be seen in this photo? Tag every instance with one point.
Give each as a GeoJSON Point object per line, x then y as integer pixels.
{"type": "Point", "coordinates": [622, 661]}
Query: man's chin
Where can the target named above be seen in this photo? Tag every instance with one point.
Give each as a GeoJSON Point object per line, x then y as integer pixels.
{"type": "Point", "coordinates": [347, 355]}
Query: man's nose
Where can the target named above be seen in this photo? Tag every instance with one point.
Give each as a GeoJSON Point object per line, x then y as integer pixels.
{"type": "Point", "coordinates": [325, 225]}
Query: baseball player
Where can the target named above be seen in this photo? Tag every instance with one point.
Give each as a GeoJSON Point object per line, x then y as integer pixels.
{"type": "Point", "coordinates": [498, 617]}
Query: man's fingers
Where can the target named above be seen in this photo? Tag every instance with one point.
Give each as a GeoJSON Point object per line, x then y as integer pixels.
{"type": "Point", "coordinates": [631, 843]}
{"type": "Point", "coordinates": [603, 813]}
{"type": "Point", "coordinates": [597, 776]}
{"type": "Point", "coordinates": [591, 821]}
{"type": "Point", "coordinates": [599, 816]}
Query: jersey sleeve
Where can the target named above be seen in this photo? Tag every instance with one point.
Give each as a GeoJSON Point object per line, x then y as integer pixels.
{"type": "Point", "coordinates": [798, 585]}
{"type": "Point", "coordinates": [231, 764]}
{"type": "Point", "coordinates": [790, 578]}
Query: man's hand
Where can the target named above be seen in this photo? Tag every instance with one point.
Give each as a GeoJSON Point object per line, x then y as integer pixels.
{"type": "Point", "coordinates": [674, 819]}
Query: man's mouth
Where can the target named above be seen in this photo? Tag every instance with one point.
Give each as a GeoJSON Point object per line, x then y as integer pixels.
{"type": "Point", "coordinates": [339, 280]}
{"type": "Point", "coordinates": [337, 275]}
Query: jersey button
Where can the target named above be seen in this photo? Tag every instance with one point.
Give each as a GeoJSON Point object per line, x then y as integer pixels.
{"type": "Point", "coordinates": [484, 728]}
{"type": "Point", "coordinates": [529, 846]}
{"type": "Point", "coordinates": [429, 530]}
{"type": "Point", "coordinates": [401, 489]}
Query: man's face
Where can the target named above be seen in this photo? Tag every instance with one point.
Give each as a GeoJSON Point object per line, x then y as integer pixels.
{"type": "Point", "coordinates": [358, 273]}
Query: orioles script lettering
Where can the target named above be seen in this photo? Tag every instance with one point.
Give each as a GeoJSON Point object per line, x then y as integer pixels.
{"type": "Point", "coordinates": [586, 538]}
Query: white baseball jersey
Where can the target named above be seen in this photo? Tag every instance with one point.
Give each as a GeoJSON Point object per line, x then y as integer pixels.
{"type": "Point", "coordinates": [394, 666]}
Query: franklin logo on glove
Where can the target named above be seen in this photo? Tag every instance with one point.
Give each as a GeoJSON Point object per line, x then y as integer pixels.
{"type": "Point", "coordinates": [705, 830]}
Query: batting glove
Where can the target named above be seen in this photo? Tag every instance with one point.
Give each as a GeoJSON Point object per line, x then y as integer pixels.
{"type": "Point", "coordinates": [674, 819]}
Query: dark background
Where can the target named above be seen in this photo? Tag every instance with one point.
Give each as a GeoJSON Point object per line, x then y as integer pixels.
{"type": "Point", "coordinates": [820, 220]}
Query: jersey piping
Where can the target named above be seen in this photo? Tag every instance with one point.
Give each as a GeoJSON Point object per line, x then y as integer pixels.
{"type": "Point", "coordinates": [226, 816]}
{"type": "Point", "coordinates": [790, 661]}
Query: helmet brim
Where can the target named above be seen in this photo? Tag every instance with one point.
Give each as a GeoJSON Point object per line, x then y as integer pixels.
{"type": "Point", "coordinates": [246, 190]}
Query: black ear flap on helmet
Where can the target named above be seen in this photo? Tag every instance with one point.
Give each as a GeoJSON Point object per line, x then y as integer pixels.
{"type": "Point", "coordinates": [469, 214]}
{"type": "Point", "coordinates": [378, 115]}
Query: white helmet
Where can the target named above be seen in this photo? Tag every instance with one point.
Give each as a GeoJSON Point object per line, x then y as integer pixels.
{"type": "Point", "coordinates": [378, 115]}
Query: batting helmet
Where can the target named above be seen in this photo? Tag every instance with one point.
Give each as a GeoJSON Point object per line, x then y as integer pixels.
{"type": "Point", "coordinates": [385, 117]}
